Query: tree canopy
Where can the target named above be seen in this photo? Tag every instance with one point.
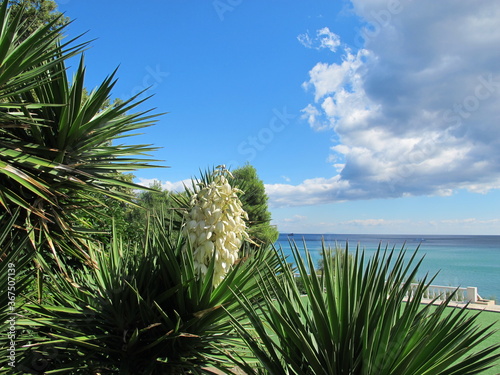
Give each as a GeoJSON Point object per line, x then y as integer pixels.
{"type": "Point", "coordinates": [255, 204]}
{"type": "Point", "coordinates": [37, 13]}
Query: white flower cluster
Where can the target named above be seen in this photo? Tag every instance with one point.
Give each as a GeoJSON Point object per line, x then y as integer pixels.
{"type": "Point", "coordinates": [215, 226]}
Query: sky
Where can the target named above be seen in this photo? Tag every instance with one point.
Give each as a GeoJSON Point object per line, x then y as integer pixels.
{"type": "Point", "coordinates": [360, 116]}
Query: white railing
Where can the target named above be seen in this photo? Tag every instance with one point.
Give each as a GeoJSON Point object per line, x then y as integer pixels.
{"type": "Point", "coordinates": [443, 292]}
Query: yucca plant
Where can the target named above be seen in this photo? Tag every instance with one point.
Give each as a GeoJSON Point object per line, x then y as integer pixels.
{"type": "Point", "coordinates": [145, 310]}
{"type": "Point", "coordinates": [59, 149]}
{"type": "Point", "coordinates": [354, 321]}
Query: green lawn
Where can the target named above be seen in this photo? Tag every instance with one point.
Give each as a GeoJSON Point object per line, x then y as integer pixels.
{"type": "Point", "coordinates": [486, 318]}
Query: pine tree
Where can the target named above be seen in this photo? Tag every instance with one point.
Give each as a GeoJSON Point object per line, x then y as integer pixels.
{"type": "Point", "coordinates": [255, 204]}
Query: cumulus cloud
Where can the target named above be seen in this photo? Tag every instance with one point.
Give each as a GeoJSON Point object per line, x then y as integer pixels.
{"type": "Point", "coordinates": [310, 192]}
{"type": "Point", "coordinates": [414, 109]}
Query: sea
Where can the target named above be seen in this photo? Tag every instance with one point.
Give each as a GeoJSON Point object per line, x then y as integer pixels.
{"type": "Point", "coordinates": [456, 260]}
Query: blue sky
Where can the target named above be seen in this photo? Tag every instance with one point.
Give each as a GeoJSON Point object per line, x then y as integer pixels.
{"type": "Point", "coordinates": [361, 116]}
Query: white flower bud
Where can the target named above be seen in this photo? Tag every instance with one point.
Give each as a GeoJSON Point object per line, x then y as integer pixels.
{"type": "Point", "coordinates": [192, 224]}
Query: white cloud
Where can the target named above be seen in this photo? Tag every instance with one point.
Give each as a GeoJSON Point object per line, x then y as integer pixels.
{"type": "Point", "coordinates": [327, 79]}
{"type": "Point", "coordinates": [305, 40]}
{"type": "Point", "coordinates": [295, 219]}
{"type": "Point", "coordinates": [471, 221]}
{"type": "Point", "coordinates": [414, 109]}
{"type": "Point", "coordinates": [372, 222]}
{"type": "Point", "coordinates": [314, 117]}
{"type": "Point", "coordinates": [177, 186]}
{"type": "Point", "coordinates": [310, 192]}
{"type": "Point", "coordinates": [324, 39]}
{"type": "Point", "coordinates": [328, 39]}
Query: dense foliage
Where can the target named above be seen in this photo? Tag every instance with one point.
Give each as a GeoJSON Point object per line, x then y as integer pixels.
{"type": "Point", "coordinates": [143, 310]}
{"type": "Point", "coordinates": [255, 204]}
{"type": "Point", "coordinates": [37, 13]}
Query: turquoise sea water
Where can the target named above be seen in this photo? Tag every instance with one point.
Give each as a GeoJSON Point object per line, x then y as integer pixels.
{"type": "Point", "coordinates": [463, 261]}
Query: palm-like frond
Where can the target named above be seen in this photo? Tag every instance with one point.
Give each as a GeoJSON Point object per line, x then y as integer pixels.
{"type": "Point", "coordinates": [58, 146]}
{"type": "Point", "coordinates": [24, 60]}
{"type": "Point", "coordinates": [143, 310]}
{"type": "Point", "coordinates": [354, 321]}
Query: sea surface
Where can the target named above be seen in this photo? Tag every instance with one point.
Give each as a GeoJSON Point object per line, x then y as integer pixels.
{"type": "Point", "coordinates": [458, 260]}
